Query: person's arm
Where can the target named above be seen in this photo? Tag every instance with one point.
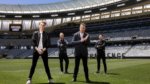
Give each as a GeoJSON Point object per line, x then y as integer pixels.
{"type": "Point", "coordinates": [66, 42]}
{"type": "Point", "coordinates": [104, 43]}
{"type": "Point", "coordinates": [48, 42]}
{"type": "Point", "coordinates": [87, 39]}
{"type": "Point", "coordinates": [96, 45]}
{"type": "Point", "coordinates": [74, 39]}
{"type": "Point", "coordinates": [34, 40]}
{"type": "Point", "coordinates": [58, 43]}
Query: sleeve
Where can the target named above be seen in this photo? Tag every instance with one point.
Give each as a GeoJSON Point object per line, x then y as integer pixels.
{"type": "Point", "coordinates": [95, 45]}
{"type": "Point", "coordinates": [104, 43]}
{"type": "Point", "coordinates": [74, 40]}
{"type": "Point", "coordinates": [88, 40]}
{"type": "Point", "coordinates": [34, 40]}
{"type": "Point", "coordinates": [58, 43]}
{"type": "Point", "coordinates": [66, 42]}
{"type": "Point", "coordinates": [48, 43]}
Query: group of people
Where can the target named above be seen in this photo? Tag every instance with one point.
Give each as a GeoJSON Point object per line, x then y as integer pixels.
{"type": "Point", "coordinates": [80, 40]}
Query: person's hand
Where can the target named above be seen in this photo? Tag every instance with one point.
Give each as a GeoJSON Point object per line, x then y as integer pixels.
{"type": "Point", "coordinates": [97, 46]}
{"type": "Point", "coordinates": [84, 39]}
{"type": "Point", "coordinates": [44, 49]}
{"type": "Point", "coordinates": [40, 51]}
{"type": "Point", "coordinates": [61, 45]}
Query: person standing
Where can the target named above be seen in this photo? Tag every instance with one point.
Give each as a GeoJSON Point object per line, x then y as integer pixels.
{"type": "Point", "coordinates": [81, 40]}
{"type": "Point", "coordinates": [62, 45]}
{"type": "Point", "coordinates": [41, 42]}
{"type": "Point", "coordinates": [100, 47]}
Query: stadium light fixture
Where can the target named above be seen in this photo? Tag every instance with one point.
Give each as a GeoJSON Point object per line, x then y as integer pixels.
{"type": "Point", "coordinates": [138, 0]}
{"type": "Point", "coordinates": [103, 9]}
{"type": "Point", "coordinates": [120, 5]}
{"type": "Point", "coordinates": [54, 15]}
{"type": "Point", "coordinates": [5, 33]}
{"type": "Point", "coordinates": [18, 16]}
{"type": "Point", "coordinates": [2, 16]}
{"type": "Point", "coordinates": [89, 11]}
{"type": "Point", "coordinates": [71, 13]}
{"type": "Point", "coordinates": [35, 16]}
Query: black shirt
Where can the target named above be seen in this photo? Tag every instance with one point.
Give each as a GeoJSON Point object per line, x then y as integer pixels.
{"type": "Point", "coordinates": [62, 45]}
{"type": "Point", "coordinates": [100, 45]}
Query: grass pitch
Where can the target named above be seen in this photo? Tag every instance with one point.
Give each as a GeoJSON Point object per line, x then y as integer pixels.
{"type": "Point", "coordinates": [120, 71]}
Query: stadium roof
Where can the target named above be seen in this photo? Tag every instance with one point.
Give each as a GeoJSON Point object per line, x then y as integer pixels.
{"type": "Point", "coordinates": [69, 5]}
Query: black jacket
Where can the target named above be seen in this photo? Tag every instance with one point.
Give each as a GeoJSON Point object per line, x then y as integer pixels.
{"type": "Point", "coordinates": [80, 47]}
{"type": "Point", "coordinates": [100, 45]}
{"type": "Point", "coordinates": [62, 45]}
{"type": "Point", "coordinates": [36, 39]}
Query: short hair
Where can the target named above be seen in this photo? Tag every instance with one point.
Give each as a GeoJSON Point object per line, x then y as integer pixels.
{"type": "Point", "coordinates": [101, 34]}
{"type": "Point", "coordinates": [61, 33]}
{"type": "Point", "coordinates": [42, 22]}
{"type": "Point", "coordinates": [83, 24]}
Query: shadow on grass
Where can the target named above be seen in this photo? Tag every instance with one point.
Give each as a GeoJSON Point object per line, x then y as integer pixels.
{"type": "Point", "coordinates": [95, 82]}
{"type": "Point", "coordinates": [68, 73]}
{"type": "Point", "coordinates": [49, 83]}
{"type": "Point", "coordinates": [113, 74]}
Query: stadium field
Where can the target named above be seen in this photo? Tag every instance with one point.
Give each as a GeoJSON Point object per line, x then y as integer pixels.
{"type": "Point", "coordinates": [120, 71]}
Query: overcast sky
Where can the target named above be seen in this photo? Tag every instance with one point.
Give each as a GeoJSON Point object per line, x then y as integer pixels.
{"type": "Point", "coordinates": [28, 1]}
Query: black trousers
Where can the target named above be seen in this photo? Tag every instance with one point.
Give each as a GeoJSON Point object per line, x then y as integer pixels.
{"type": "Point", "coordinates": [101, 55]}
{"type": "Point", "coordinates": [77, 62]}
{"type": "Point", "coordinates": [45, 61]}
{"type": "Point", "coordinates": [63, 56]}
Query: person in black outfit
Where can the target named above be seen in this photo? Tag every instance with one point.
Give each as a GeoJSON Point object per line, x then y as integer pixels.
{"type": "Point", "coordinates": [81, 40]}
{"type": "Point", "coordinates": [41, 42]}
{"type": "Point", "coordinates": [100, 46]}
{"type": "Point", "coordinates": [62, 45]}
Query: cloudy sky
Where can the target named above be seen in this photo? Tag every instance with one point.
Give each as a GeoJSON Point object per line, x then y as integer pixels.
{"type": "Point", "coordinates": [28, 1]}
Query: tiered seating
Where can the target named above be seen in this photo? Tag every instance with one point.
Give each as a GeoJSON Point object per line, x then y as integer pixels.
{"type": "Point", "coordinates": [139, 51]}
{"type": "Point", "coordinates": [16, 42]}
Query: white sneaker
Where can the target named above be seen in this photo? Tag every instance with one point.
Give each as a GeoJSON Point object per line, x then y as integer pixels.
{"type": "Point", "coordinates": [50, 81]}
{"type": "Point", "coordinates": [28, 82]}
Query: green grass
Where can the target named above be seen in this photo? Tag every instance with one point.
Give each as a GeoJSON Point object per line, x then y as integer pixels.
{"type": "Point", "coordinates": [126, 71]}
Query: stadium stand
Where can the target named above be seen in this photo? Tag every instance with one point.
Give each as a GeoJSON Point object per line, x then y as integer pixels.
{"type": "Point", "coordinates": [125, 24]}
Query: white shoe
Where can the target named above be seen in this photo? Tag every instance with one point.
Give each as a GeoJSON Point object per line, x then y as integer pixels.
{"type": "Point", "coordinates": [28, 82]}
{"type": "Point", "coordinates": [50, 81]}
{"type": "Point", "coordinates": [61, 72]}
